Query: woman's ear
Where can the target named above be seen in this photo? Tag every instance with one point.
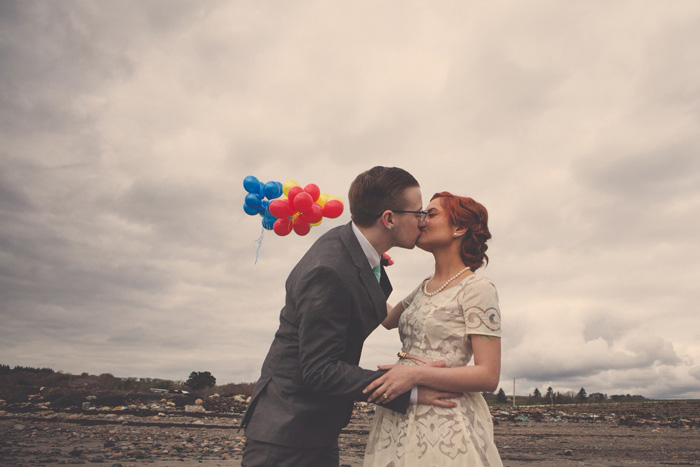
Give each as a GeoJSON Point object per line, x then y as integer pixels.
{"type": "Point", "coordinates": [460, 232]}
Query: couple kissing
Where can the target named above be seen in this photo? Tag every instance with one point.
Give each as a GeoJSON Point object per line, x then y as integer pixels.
{"type": "Point", "coordinates": [430, 410]}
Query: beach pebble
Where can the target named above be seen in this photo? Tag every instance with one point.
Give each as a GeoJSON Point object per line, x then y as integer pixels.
{"type": "Point", "coordinates": [137, 453]}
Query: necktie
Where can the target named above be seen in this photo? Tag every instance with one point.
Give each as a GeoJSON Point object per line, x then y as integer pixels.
{"type": "Point", "coordinates": [378, 272]}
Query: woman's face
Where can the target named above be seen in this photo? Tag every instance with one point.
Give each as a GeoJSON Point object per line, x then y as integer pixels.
{"type": "Point", "coordinates": [437, 230]}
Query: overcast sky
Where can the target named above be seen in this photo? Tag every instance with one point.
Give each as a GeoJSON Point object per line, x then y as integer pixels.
{"type": "Point", "coordinates": [127, 127]}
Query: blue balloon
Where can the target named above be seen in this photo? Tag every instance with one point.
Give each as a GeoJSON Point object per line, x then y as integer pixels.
{"type": "Point", "coordinates": [272, 190]}
{"type": "Point", "coordinates": [248, 210]}
{"type": "Point", "coordinates": [252, 185]}
{"type": "Point", "coordinates": [264, 208]}
{"type": "Point", "coordinates": [268, 222]}
{"type": "Point", "coordinates": [252, 200]}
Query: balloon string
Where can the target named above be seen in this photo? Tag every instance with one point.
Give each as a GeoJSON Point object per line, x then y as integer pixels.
{"type": "Point", "coordinates": [259, 242]}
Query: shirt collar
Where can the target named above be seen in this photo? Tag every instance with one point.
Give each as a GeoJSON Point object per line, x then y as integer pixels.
{"type": "Point", "coordinates": [371, 254]}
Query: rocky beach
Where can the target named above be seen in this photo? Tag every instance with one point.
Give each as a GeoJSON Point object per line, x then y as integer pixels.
{"type": "Point", "coordinates": [159, 428]}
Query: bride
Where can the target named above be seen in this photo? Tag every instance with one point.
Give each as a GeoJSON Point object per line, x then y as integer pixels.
{"type": "Point", "coordinates": [450, 317]}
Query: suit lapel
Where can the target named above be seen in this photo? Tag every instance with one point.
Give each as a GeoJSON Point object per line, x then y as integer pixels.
{"type": "Point", "coordinates": [367, 277]}
{"type": "Point", "coordinates": [385, 284]}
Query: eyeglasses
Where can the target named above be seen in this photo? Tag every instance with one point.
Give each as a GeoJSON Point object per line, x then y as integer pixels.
{"type": "Point", "coordinates": [422, 214]}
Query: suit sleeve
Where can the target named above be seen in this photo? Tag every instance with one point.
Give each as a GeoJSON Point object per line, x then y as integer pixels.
{"type": "Point", "coordinates": [324, 308]}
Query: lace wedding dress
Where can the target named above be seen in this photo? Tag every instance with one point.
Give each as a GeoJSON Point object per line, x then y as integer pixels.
{"type": "Point", "coordinates": [439, 327]}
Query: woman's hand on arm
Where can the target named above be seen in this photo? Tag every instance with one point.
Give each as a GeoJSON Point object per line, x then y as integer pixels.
{"type": "Point", "coordinates": [397, 380]}
{"type": "Point", "coordinates": [482, 376]}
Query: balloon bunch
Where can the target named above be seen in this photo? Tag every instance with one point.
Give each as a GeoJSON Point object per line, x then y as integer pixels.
{"type": "Point", "coordinates": [299, 209]}
{"type": "Point", "coordinates": [303, 208]}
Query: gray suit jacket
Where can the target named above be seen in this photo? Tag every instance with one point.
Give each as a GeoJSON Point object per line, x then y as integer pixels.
{"type": "Point", "coordinates": [310, 378]}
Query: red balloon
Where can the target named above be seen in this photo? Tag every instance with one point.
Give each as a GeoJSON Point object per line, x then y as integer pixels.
{"type": "Point", "coordinates": [313, 190]}
{"type": "Point", "coordinates": [301, 227]}
{"type": "Point", "coordinates": [333, 209]}
{"type": "Point", "coordinates": [313, 215]}
{"type": "Point", "coordinates": [302, 202]}
{"type": "Point", "coordinates": [282, 227]}
{"type": "Point", "coordinates": [280, 208]}
{"type": "Point", "coordinates": [293, 192]}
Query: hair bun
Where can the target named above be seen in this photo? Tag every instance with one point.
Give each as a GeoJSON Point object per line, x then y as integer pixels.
{"type": "Point", "coordinates": [465, 212]}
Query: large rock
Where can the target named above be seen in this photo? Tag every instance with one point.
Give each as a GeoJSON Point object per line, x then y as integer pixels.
{"type": "Point", "coordinates": [110, 400]}
{"type": "Point", "coordinates": [186, 399]}
{"type": "Point", "coordinates": [68, 400]}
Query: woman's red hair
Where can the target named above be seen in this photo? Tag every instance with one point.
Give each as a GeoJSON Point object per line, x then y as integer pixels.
{"type": "Point", "coordinates": [465, 213]}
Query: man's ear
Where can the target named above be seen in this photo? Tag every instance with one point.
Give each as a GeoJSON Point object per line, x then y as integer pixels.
{"type": "Point", "coordinates": [388, 219]}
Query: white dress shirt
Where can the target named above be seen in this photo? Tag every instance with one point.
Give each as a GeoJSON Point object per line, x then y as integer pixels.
{"type": "Point", "coordinates": [371, 254]}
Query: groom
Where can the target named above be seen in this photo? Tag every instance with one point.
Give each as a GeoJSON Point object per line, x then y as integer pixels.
{"type": "Point", "coordinates": [335, 297]}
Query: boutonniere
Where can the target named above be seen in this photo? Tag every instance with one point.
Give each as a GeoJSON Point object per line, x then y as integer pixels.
{"type": "Point", "coordinates": [386, 260]}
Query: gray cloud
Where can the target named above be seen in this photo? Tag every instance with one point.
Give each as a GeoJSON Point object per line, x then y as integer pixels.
{"type": "Point", "coordinates": [605, 325]}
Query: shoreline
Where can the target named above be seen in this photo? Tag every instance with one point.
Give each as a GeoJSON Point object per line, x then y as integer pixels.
{"type": "Point", "coordinates": [159, 433]}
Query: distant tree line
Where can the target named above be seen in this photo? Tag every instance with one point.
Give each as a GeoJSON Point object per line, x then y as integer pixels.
{"type": "Point", "coordinates": [552, 397]}
{"type": "Point", "coordinates": [6, 370]}
{"type": "Point", "coordinates": [203, 382]}
{"type": "Point", "coordinates": [579, 397]}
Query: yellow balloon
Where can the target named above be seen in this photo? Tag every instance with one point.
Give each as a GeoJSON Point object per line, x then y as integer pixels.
{"type": "Point", "coordinates": [286, 186]}
{"type": "Point", "coordinates": [323, 199]}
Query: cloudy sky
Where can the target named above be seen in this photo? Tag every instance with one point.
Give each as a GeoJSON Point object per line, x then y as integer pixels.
{"type": "Point", "coordinates": [127, 129]}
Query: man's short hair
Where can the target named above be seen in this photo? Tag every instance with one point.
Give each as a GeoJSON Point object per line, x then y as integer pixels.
{"type": "Point", "coordinates": [377, 190]}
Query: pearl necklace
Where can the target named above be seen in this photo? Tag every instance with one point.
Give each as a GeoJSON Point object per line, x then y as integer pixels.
{"type": "Point", "coordinates": [430, 294]}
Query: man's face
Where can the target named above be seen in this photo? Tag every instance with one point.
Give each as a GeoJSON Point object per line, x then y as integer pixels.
{"type": "Point", "coordinates": [408, 225]}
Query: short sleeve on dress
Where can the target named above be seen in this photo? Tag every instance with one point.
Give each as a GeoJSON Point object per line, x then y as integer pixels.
{"type": "Point", "coordinates": [478, 301]}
